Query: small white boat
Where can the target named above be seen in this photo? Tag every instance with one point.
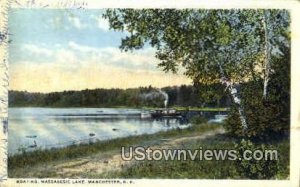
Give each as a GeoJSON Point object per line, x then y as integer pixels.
{"type": "Point", "coordinates": [146, 115]}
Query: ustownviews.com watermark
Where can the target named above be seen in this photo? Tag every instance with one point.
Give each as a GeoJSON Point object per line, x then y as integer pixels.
{"type": "Point", "coordinates": [142, 153]}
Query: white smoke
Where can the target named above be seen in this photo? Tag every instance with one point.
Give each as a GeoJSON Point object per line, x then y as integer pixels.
{"type": "Point", "coordinates": [156, 94]}
{"type": "Point", "coordinates": [166, 96]}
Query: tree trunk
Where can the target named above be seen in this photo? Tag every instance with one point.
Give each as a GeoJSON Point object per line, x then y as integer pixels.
{"type": "Point", "coordinates": [235, 97]}
{"type": "Point", "coordinates": [267, 56]}
{"type": "Point", "coordinates": [237, 100]}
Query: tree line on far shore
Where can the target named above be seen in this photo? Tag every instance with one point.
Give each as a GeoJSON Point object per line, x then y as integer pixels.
{"type": "Point", "coordinates": [184, 95]}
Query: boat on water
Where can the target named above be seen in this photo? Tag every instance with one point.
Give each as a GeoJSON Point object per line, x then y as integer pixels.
{"type": "Point", "coordinates": [165, 113]}
{"type": "Point", "coordinates": [161, 113]}
{"type": "Point", "coordinates": [31, 136]}
{"type": "Point", "coordinates": [92, 134]}
{"type": "Point", "coordinates": [145, 115]}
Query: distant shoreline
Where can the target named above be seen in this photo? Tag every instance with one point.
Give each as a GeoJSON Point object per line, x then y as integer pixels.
{"type": "Point", "coordinates": [180, 108]}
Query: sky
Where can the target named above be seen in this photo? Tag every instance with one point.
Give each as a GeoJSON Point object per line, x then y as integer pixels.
{"type": "Point", "coordinates": [56, 50]}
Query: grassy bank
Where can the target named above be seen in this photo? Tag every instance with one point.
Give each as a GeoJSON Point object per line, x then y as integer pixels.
{"type": "Point", "coordinates": [199, 169]}
{"type": "Point", "coordinates": [43, 156]}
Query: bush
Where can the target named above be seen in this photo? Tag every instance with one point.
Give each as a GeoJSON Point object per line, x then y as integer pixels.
{"type": "Point", "coordinates": [265, 122]}
{"type": "Point", "coordinates": [197, 120]}
{"type": "Point", "coordinates": [267, 119]}
{"type": "Point", "coordinates": [255, 169]}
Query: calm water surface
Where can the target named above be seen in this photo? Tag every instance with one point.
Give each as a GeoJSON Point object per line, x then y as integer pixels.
{"type": "Point", "coordinates": [59, 127]}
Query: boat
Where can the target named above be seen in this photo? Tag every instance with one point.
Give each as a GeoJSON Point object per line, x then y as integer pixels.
{"type": "Point", "coordinates": [33, 136]}
{"type": "Point", "coordinates": [146, 115]}
{"type": "Point", "coordinates": [165, 113]}
{"type": "Point", "coordinates": [92, 134]}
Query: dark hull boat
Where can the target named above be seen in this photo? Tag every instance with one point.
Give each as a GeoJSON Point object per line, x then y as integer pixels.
{"type": "Point", "coordinates": [165, 113]}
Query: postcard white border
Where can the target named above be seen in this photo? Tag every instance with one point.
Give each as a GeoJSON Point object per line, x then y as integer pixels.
{"type": "Point", "coordinates": [293, 6]}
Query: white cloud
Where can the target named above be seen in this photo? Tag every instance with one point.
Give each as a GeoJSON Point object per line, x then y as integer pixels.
{"type": "Point", "coordinates": [75, 54]}
{"type": "Point", "coordinates": [76, 22]}
{"type": "Point", "coordinates": [66, 57]}
{"type": "Point", "coordinates": [110, 56]}
{"type": "Point", "coordinates": [55, 21]}
{"type": "Point", "coordinates": [37, 50]}
{"type": "Point", "coordinates": [101, 23]}
{"type": "Point", "coordinates": [81, 48]}
{"type": "Point", "coordinates": [78, 67]}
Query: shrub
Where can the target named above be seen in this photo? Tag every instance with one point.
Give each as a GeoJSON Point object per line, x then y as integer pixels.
{"type": "Point", "coordinates": [196, 120]}
{"type": "Point", "coordinates": [255, 169]}
{"type": "Point", "coordinates": [265, 122]}
{"type": "Point", "coordinates": [267, 119]}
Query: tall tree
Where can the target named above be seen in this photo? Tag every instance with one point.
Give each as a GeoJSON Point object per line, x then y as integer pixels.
{"type": "Point", "coordinates": [213, 45]}
{"type": "Point", "coordinates": [275, 26]}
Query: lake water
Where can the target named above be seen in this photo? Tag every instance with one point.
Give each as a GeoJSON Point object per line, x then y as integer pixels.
{"type": "Point", "coordinates": [59, 127]}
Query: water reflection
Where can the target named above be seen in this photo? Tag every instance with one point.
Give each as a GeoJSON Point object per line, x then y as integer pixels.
{"type": "Point", "coordinates": [32, 128]}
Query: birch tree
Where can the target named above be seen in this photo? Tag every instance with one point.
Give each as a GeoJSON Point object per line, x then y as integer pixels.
{"type": "Point", "coordinates": [275, 26]}
{"type": "Point", "coordinates": [211, 45]}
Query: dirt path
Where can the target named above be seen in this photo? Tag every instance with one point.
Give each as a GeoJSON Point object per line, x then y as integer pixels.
{"type": "Point", "coordinates": [110, 161]}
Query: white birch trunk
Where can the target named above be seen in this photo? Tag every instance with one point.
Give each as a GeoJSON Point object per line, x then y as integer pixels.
{"type": "Point", "coordinates": [267, 56]}
{"type": "Point", "coordinates": [235, 97]}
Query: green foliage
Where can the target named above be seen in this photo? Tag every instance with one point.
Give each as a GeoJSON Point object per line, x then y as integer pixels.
{"type": "Point", "coordinates": [255, 169]}
{"type": "Point", "coordinates": [197, 120]}
{"type": "Point", "coordinates": [267, 119]}
{"type": "Point", "coordinates": [184, 95]}
{"type": "Point", "coordinates": [202, 40]}
{"type": "Point", "coordinates": [215, 44]}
